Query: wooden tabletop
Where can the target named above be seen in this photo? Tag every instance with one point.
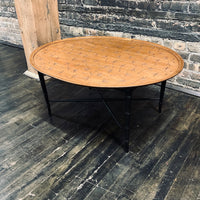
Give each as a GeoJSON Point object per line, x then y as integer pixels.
{"type": "Point", "coordinates": [102, 61]}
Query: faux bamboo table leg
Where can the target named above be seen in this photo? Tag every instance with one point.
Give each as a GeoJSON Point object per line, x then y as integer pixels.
{"type": "Point", "coordinates": [127, 114]}
{"type": "Point", "coordinates": [162, 92]}
{"type": "Point", "coordinates": [44, 89]}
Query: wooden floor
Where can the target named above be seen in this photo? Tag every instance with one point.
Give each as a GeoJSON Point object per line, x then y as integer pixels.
{"type": "Point", "coordinates": [76, 156]}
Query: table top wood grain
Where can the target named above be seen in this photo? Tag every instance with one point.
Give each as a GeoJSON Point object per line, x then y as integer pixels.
{"type": "Point", "coordinates": [110, 62]}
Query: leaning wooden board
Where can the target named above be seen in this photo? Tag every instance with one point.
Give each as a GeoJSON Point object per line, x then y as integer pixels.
{"type": "Point", "coordinates": [39, 24]}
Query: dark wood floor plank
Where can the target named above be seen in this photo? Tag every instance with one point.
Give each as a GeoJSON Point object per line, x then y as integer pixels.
{"type": "Point", "coordinates": [97, 192]}
{"type": "Point", "coordinates": [114, 181]}
{"type": "Point", "coordinates": [192, 191]}
{"type": "Point", "coordinates": [146, 165]}
{"type": "Point", "coordinates": [57, 169]}
{"type": "Point", "coordinates": [95, 165]}
{"type": "Point", "coordinates": [182, 187]}
{"type": "Point", "coordinates": [186, 185]}
{"type": "Point", "coordinates": [170, 150]}
{"type": "Point", "coordinates": [174, 168]}
{"type": "Point", "coordinates": [43, 167]}
{"type": "Point", "coordinates": [74, 168]}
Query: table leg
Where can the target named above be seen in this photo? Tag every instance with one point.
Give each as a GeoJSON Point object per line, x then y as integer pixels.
{"type": "Point", "coordinates": [126, 134]}
{"type": "Point", "coordinates": [44, 89]}
{"type": "Point", "coordinates": [162, 92]}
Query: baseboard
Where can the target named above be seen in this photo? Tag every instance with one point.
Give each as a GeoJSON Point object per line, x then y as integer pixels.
{"type": "Point", "coordinates": [181, 89]}
{"type": "Point", "coordinates": [31, 75]}
{"type": "Point", "coordinates": [35, 76]}
{"type": "Point", "coordinates": [11, 44]}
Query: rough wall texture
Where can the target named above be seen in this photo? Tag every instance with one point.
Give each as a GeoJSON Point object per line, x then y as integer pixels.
{"type": "Point", "coordinates": [175, 24]}
{"type": "Point", "coordinates": [9, 27]}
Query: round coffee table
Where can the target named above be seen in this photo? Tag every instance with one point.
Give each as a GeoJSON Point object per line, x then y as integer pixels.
{"type": "Point", "coordinates": [107, 62]}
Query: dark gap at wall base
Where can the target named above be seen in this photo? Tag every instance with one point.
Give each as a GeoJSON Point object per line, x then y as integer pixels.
{"type": "Point", "coordinates": [11, 44]}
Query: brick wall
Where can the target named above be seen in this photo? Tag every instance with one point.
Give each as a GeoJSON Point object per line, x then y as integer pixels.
{"type": "Point", "coordinates": [175, 24]}
{"type": "Point", "coordinates": [9, 27]}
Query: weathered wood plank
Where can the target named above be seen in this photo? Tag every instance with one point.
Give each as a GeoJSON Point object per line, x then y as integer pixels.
{"type": "Point", "coordinates": [97, 192]}
{"type": "Point", "coordinates": [64, 175]}
{"type": "Point", "coordinates": [186, 185]}
{"type": "Point", "coordinates": [41, 156]}
{"type": "Point", "coordinates": [39, 24]}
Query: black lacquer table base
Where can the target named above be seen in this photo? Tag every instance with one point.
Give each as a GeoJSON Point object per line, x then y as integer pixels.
{"type": "Point", "coordinates": [127, 103]}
